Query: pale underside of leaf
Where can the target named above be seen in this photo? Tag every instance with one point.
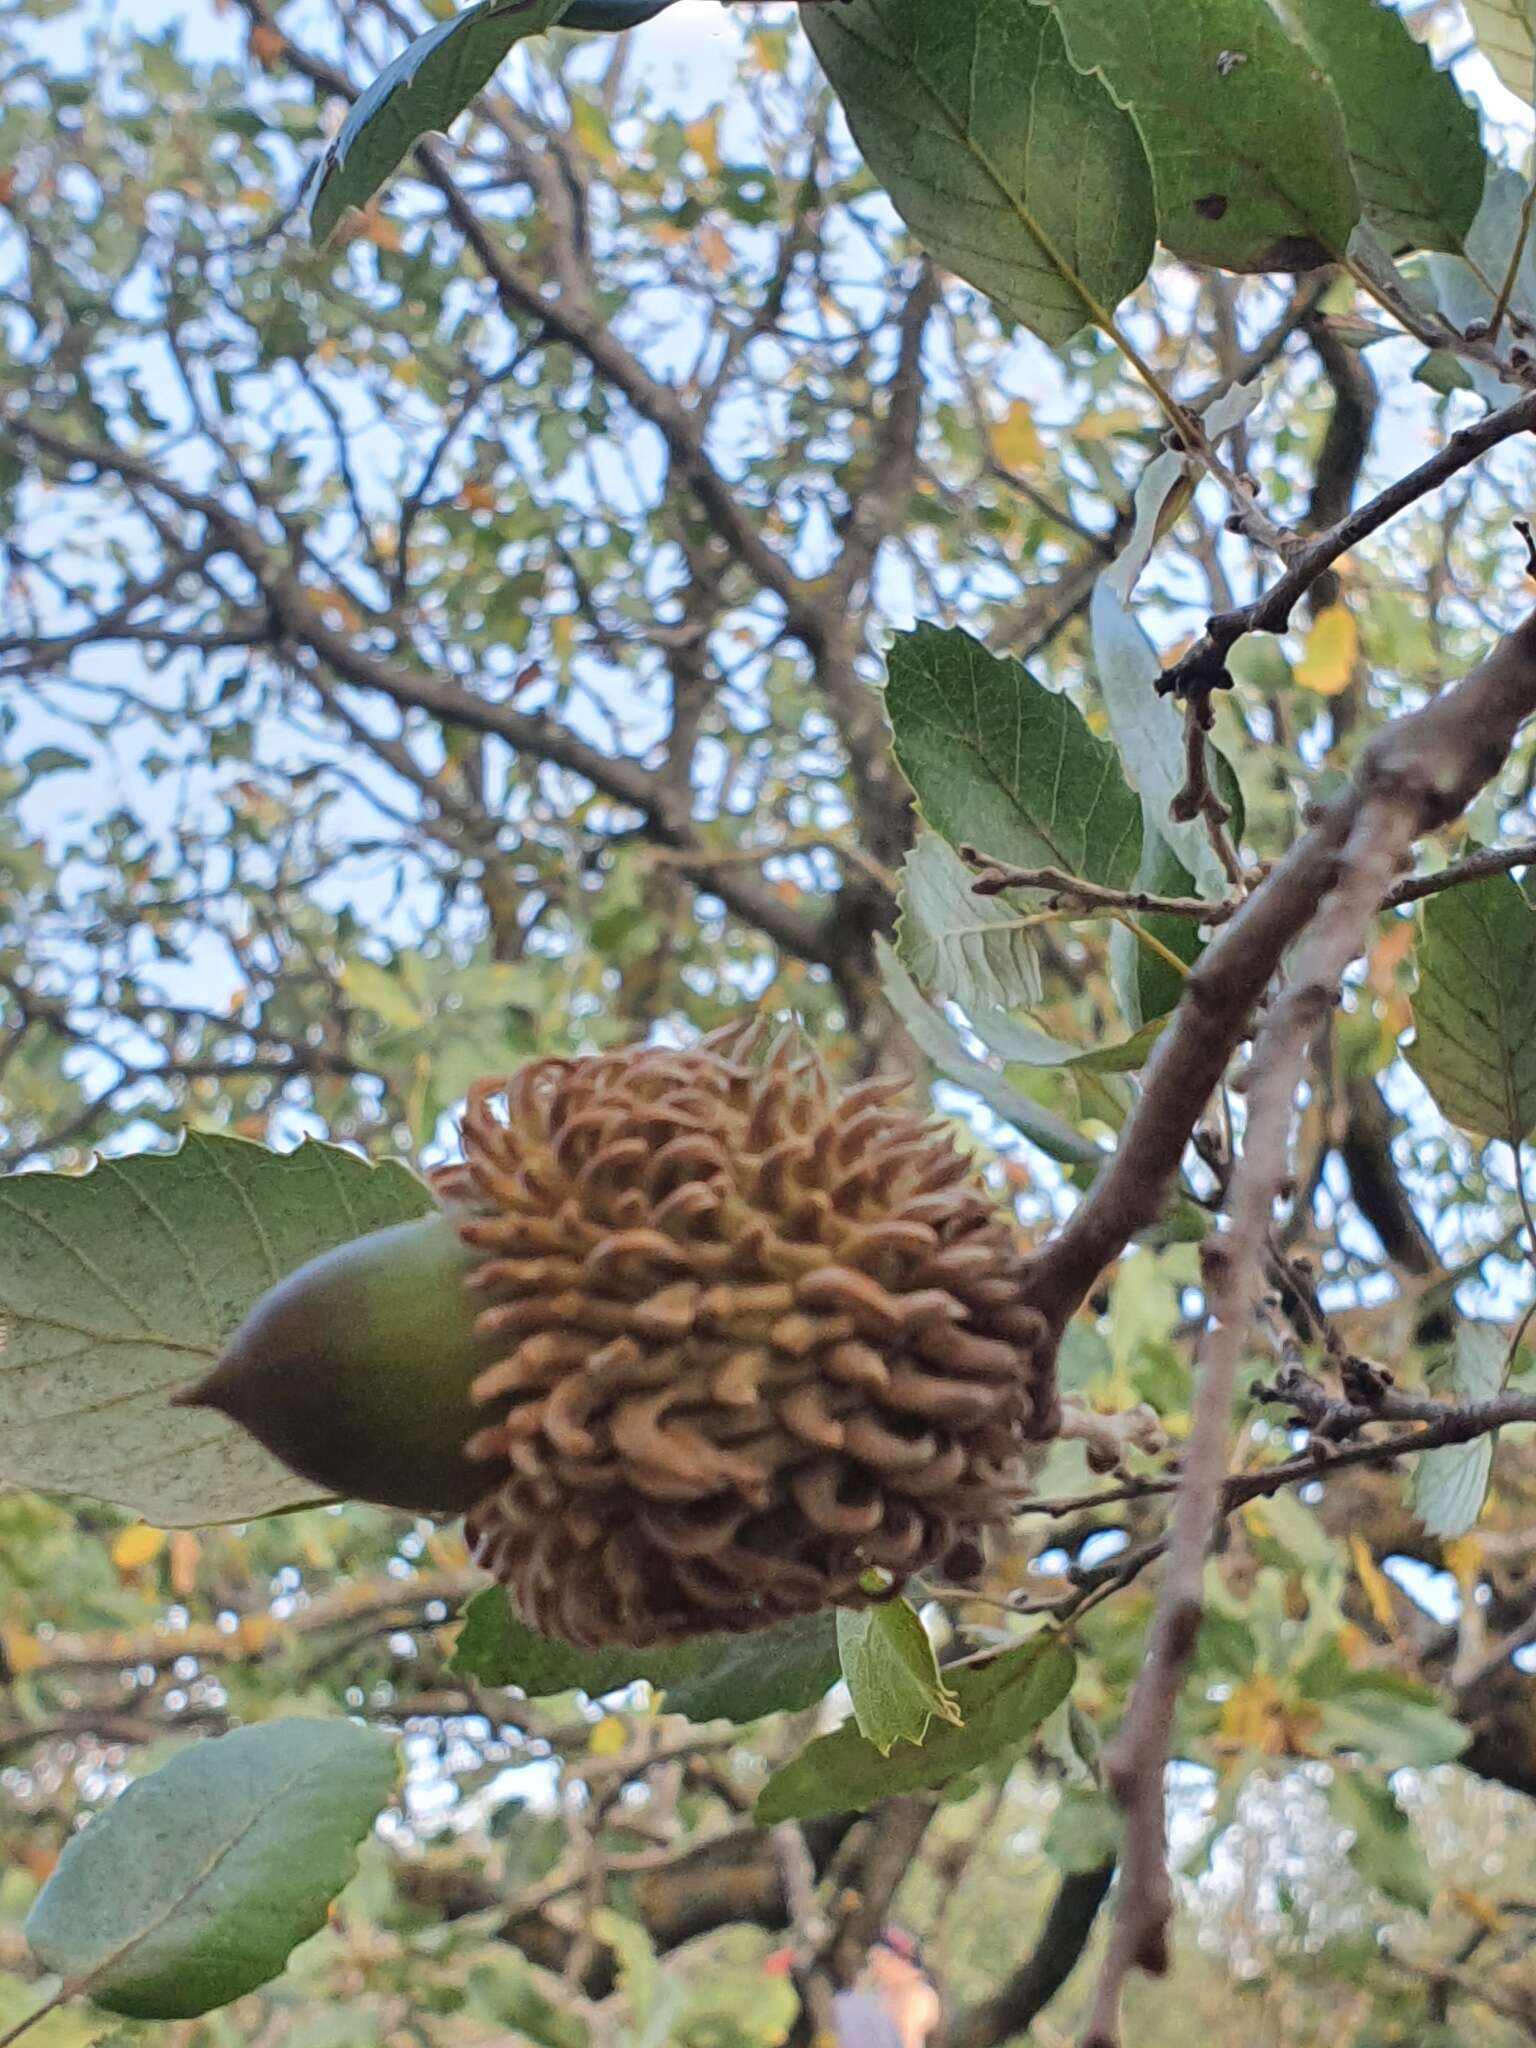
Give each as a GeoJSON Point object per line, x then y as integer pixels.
{"type": "Point", "coordinates": [939, 1041]}
{"type": "Point", "coordinates": [972, 950]}
{"type": "Point", "coordinates": [1506, 35]}
{"type": "Point", "coordinates": [120, 1285]}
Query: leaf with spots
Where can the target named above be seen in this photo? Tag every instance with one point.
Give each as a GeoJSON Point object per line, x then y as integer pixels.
{"type": "Point", "coordinates": [122, 1284]}
{"type": "Point", "coordinates": [1247, 141]}
{"type": "Point", "coordinates": [1019, 174]}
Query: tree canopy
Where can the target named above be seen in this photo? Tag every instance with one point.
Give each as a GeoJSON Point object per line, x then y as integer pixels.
{"type": "Point", "coordinates": [993, 532]}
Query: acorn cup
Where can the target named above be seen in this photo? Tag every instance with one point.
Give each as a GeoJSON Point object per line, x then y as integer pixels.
{"type": "Point", "coordinates": [700, 1344]}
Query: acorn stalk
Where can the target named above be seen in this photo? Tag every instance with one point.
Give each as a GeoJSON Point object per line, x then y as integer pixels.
{"type": "Point", "coordinates": [355, 1371]}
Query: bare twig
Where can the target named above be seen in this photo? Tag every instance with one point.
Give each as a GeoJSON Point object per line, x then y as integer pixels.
{"type": "Point", "coordinates": [1443, 755]}
{"type": "Point", "coordinates": [1382, 834]}
{"type": "Point", "coordinates": [1204, 667]}
{"type": "Point", "coordinates": [994, 876]}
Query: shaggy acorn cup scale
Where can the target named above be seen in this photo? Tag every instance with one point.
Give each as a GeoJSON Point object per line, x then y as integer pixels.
{"type": "Point", "coordinates": [699, 1344]}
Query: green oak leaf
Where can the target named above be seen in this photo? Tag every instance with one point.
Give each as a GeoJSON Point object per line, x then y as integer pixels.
{"type": "Point", "coordinates": [1018, 173]}
{"type": "Point", "coordinates": [122, 1284]}
{"type": "Point", "coordinates": [1247, 144]}
{"type": "Point", "coordinates": [715, 1678]}
{"type": "Point", "coordinates": [892, 1674]}
{"type": "Point", "coordinates": [1000, 1703]}
{"type": "Point", "coordinates": [431, 81]}
{"type": "Point", "coordinates": [1474, 1011]}
{"type": "Point", "coordinates": [1003, 764]}
{"type": "Point", "coordinates": [196, 1885]}
{"type": "Point", "coordinates": [1415, 143]}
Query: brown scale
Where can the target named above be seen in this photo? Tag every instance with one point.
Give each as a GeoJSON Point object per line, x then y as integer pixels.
{"type": "Point", "coordinates": [768, 1350]}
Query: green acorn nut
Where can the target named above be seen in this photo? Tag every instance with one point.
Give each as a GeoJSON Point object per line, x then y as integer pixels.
{"type": "Point", "coordinates": [355, 1370]}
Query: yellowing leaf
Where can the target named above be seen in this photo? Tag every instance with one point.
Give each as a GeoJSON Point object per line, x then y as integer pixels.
{"type": "Point", "coordinates": [1389, 953]}
{"type": "Point", "coordinates": [609, 1736]}
{"type": "Point", "coordinates": [1250, 1713]}
{"type": "Point", "coordinates": [1102, 426]}
{"type": "Point", "coordinates": [704, 137]}
{"type": "Point", "coordinates": [590, 126]}
{"type": "Point", "coordinates": [715, 249]}
{"type": "Point", "coordinates": [1374, 1584]}
{"type": "Point", "coordinates": [1016, 441]}
{"type": "Point", "coordinates": [1257, 1715]}
{"type": "Point", "coordinates": [562, 634]}
{"type": "Point", "coordinates": [137, 1546]}
{"type": "Point", "coordinates": [19, 1652]}
{"type": "Point", "coordinates": [339, 610]}
{"type": "Point", "coordinates": [1463, 1559]}
{"type": "Point", "coordinates": [267, 43]}
{"type": "Point", "coordinates": [376, 989]}
{"type": "Point", "coordinates": [1332, 647]}
{"type": "Point", "coordinates": [1478, 1909]}
{"type": "Point", "coordinates": [185, 1551]}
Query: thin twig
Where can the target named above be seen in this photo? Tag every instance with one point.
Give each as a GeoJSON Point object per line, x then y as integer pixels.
{"type": "Point", "coordinates": [1233, 1266]}
{"type": "Point", "coordinates": [1442, 754]}
{"type": "Point", "coordinates": [1204, 667]}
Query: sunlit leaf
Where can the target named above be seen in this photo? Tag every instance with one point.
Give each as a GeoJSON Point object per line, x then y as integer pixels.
{"type": "Point", "coordinates": [1016, 439]}
{"type": "Point", "coordinates": [1330, 652]}
{"type": "Point", "coordinates": [137, 1546]}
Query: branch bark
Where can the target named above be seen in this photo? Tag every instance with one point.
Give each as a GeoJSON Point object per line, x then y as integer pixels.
{"type": "Point", "coordinates": [1434, 760]}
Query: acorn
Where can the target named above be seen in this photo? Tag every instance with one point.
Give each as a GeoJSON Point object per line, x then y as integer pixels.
{"type": "Point", "coordinates": [700, 1344]}
{"type": "Point", "coordinates": [356, 1370]}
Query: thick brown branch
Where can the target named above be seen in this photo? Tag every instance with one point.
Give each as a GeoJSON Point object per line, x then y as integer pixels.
{"type": "Point", "coordinates": [1438, 759]}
